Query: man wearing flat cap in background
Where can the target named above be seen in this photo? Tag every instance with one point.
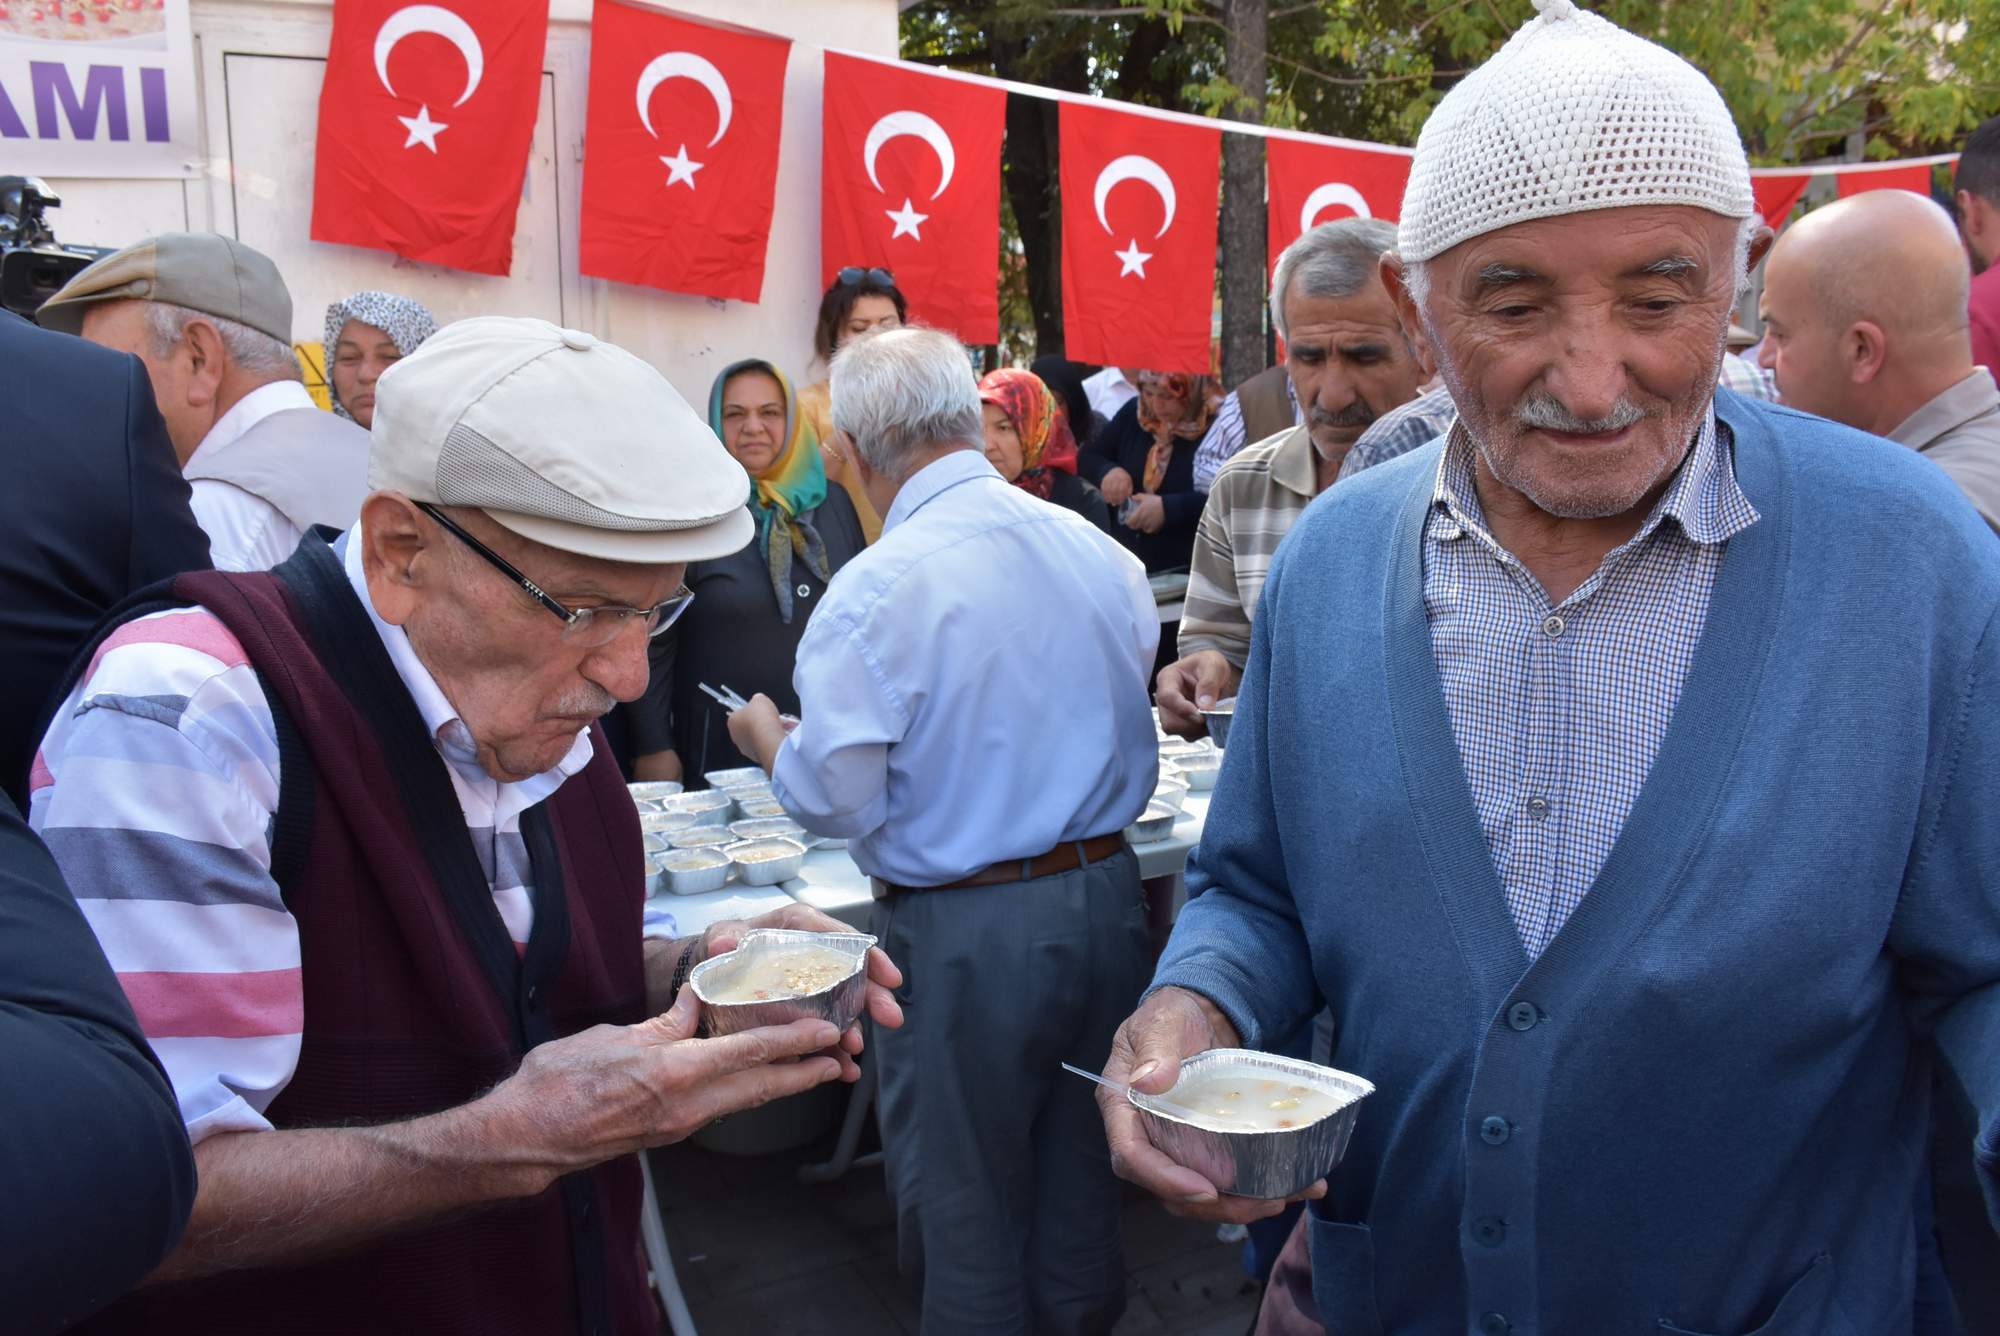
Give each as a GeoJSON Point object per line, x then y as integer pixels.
{"type": "Point", "coordinates": [212, 320]}
{"type": "Point", "coordinates": [1650, 854]}
{"type": "Point", "coordinates": [351, 839]}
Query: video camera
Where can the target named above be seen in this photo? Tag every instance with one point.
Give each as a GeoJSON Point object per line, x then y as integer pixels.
{"type": "Point", "coordinates": [33, 265]}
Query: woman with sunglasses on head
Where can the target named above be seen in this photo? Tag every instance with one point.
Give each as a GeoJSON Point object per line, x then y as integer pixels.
{"type": "Point", "coordinates": [743, 631]}
{"type": "Point", "coordinates": [861, 301]}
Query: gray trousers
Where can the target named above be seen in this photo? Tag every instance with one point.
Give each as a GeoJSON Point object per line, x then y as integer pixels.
{"type": "Point", "coordinates": [1006, 1207]}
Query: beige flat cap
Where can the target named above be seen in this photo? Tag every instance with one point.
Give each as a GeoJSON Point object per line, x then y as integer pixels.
{"type": "Point", "coordinates": [562, 438]}
{"type": "Point", "coordinates": [203, 271]}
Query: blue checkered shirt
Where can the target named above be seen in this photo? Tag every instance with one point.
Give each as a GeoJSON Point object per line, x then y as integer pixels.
{"type": "Point", "coordinates": [1401, 430]}
{"type": "Point", "coordinates": [1558, 711]}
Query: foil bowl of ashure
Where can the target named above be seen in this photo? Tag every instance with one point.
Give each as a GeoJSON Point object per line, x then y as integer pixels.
{"type": "Point", "coordinates": [1218, 717]}
{"type": "Point", "coordinates": [779, 975]}
{"type": "Point", "coordinates": [1254, 1124]}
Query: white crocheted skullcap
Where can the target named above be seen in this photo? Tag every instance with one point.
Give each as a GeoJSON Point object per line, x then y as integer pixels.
{"type": "Point", "coordinates": [1573, 114]}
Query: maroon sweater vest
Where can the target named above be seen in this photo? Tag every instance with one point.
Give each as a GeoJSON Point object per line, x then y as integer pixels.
{"type": "Point", "coordinates": [415, 998]}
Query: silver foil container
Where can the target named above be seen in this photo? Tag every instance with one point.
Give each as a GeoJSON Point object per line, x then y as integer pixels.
{"type": "Point", "coordinates": [764, 827]}
{"type": "Point", "coordinates": [687, 871]}
{"type": "Point", "coordinates": [1155, 823]}
{"type": "Point", "coordinates": [1200, 772]}
{"type": "Point", "coordinates": [654, 788]}
{"type": "Point", "coordinates": [780, 861]}
{"type": "Point", "coordinates": [737, 778]}
{"type": "Point", "coordinates": [665, 823]}
{"type": "Point", "coordinates": [703, 837]}
{"type": "Point", "coordinates": [1218, 721]}
{"type": "Point", "coordinates": [711, 807]}
{"type": "Point", "coordinates": [1259, 1164]}
{"type": "Point", "coordinates": [756, 808]}
{"type": "Point", "coordinates": [1173, 792]}
{"type": "Point", "coordinates": [841, 1004]}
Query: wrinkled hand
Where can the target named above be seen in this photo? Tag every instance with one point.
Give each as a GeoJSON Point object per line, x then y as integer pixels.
{"type": "Point", "coordinates": [615, 1089]}
{"type": "Point", "coordinates": [880, 1006]}
{"type": "Point", "coordinates": [1189, 685]}
{"type": "Point", "coordinates": [1149, 515]}
{"type": "Point", "coordinates": [1117, 487]}
{"type": "Point", "coordinates": [1174, 1023]}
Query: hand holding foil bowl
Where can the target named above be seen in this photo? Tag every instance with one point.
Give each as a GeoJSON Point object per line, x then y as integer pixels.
{"type": "Point", "coordinates": [1217, 1165]}
{"type": "Point", "coordinates": [866, 978]}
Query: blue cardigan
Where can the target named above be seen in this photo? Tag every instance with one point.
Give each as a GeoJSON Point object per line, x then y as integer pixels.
{"type": "Point", "coordinates": [1703, 1109]}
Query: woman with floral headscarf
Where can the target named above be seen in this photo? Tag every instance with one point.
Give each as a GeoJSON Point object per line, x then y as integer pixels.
{"type": "Point", "coordinates": [365, 335]}
{"type": "Point", "coordinates": [750, 609]}
{"type": "Point", "coordinates": [1148, 449]}
{"type": "Point", "coordinates": [1028, 440]}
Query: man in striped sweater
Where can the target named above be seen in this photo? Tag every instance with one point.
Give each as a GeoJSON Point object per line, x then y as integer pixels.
{"type": "Point", "coordinates": [1352, 371]}
{"type": "Point", "coordinates": [350, 837]}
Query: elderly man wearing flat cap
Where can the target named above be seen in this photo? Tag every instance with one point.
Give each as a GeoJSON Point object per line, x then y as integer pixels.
{"type": "Point", "coordinates": [351, 838]}
{"type": "Point", "coordinates": [211, 318]}
{"type": "Point", "coordinates": [1650, 853]}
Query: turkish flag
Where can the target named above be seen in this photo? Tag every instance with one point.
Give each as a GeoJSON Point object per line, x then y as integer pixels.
{"type": "Point", "coordinates": [425, 122]}
{"type": "Point", "coordinates": [1916, 179]}
{"type": "Point", "coordinates": [1778, 194]}
{"type": "Point", "coordinates": [681, 165]}
{"type": "Point", "coordinates": [910, 182]}
{"type": "Point", "coordinates": [1138, 238]}
{"type": "Point", "coordinates": [1309, 183]}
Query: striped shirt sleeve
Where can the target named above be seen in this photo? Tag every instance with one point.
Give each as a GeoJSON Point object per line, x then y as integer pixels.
{"type": "Point", "coordinates": [1214, 617]}
{"type": "Point", "coordinates": [155, 790]}
{"type": "Point", "coordinates": [1223, 439]}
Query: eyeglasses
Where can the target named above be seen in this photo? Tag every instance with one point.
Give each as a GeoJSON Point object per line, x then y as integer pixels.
{"type": "Point", "coordinates": [854, 273]}
{"type": "Point", "coordinates": [581, 626]}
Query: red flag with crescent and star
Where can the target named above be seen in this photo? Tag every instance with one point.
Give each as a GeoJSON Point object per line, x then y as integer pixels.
{"type": "Point", "coordinates": [680, 168]}
{"type": "Point", "coordinates": [425, 122]}
{"type": "Point", "coordinates": [910, 182]}
{"type": "Point", "coordinates": [1309, 183]}
{"type": "Point", "coordinates": [1138, 238]}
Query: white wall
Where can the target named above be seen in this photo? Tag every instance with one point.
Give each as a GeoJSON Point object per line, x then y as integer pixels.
{"type": "Point", "coordinates": [260, 65]}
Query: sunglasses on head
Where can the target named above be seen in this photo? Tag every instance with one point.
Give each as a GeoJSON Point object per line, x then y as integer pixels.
{"type": "Point", "coordinates": [854, 273]}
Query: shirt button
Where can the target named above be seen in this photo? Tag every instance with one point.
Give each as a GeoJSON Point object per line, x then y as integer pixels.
{"type": "Point", "coordinates": [1494, 1324]}
{"type": "Point", "coordinates": [805, 591]}
{"type": "Point", "coordinates": [1494, 1131]}
{"type": "Point", "coordinates": [1489, 1231]}
{"type": "Point", "coordinates": [1523, 1016]}
{"type": "Point", "coordinates": [534, 995]}
{"type": "Point", "coordinates": [1538, 808]}
{"type": "Point", "coordinates": [1552, 626]}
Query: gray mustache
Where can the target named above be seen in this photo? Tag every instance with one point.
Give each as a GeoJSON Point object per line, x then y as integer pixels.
{"type": "Point", "coordinates": [1544, 412]}
{"type": "Point", "coordinates": [1356, 414]}
{"type": "Point", "coordinates": [591, 700]}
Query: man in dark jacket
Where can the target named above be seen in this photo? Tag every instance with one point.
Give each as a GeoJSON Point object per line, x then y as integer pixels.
{"type": "Point", "coordinates": [95, 1169]}
{"type": "Point", "coordinates": [94, 507]}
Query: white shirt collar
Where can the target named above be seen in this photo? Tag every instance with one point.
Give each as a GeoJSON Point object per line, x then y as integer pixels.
{"type": "Point", "coordinates": [937, 476]}
{"type": "Point", "coordinates": [251, 409]}
{"type": "Point", "coordinates": [452, 738]}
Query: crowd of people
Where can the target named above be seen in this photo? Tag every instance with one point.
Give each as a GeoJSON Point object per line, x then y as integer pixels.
{"type": "Point", "coordinates": [1610, 777]}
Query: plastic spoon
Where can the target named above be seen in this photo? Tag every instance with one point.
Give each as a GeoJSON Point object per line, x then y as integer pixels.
{"type": "Point", "coordinates": [1154, 1102]}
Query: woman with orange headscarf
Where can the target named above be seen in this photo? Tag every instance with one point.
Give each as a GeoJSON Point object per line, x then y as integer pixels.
{"type": "Point", "coordinates": [1148, 449]}
{"type": "Point", "coordinates": [1028, 440]}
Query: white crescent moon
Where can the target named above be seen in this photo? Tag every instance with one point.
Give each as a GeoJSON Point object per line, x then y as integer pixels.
{"type": "Point", "coordinates": [685, 65]}
{"type": "Point", "coordinates": [1132, 167]}
{"type": "Point", "coordinates": [1333, 192]}
{"type": "Point", "coordinates": [899, 123]}
{"type": "Point", "coordinates": [435, 19]}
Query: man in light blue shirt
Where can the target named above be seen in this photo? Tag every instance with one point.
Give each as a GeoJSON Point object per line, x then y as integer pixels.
{"type": "Point", "coordinates": [975, 723]}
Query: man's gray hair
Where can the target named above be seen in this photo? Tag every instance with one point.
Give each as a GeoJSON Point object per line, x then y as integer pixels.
{"type": "Point", "coordinates": [901, 391]}
{"type": "Point", "coordinates": [256, 352]}
{"type": "Point", "coordinates": [1335, 259]}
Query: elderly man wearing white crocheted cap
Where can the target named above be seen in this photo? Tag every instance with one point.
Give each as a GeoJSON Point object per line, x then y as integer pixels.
{"type": "Point", "coordinates": [1616, 769]}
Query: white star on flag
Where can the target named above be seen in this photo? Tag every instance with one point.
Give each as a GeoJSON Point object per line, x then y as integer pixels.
{"type": "Point", "coordinates": [680, 168]}
{"type": "Point", "coordinates": [1132, 259]}
{"type": "Point", "coordinates": [906, 220]}
{"type": "Point", "coordinates": [423, 130]}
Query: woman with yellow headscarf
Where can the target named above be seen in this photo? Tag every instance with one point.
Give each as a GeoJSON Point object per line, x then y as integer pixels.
{"type": "Point", "coordinates": [743, 628]}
